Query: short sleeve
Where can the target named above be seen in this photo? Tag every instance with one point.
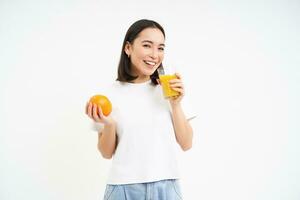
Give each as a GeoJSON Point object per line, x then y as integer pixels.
{"type": "Point", "coordinates": [189, 108]}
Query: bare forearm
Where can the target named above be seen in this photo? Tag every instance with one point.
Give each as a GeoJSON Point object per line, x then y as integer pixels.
{"type": "Point", "coordinates": [183, 130]}
{"type": "Point", "coordinates": [107, 140]}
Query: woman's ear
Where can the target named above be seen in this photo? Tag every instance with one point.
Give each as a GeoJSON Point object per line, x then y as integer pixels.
{"type": "Point", "coordinates": [127, 48]}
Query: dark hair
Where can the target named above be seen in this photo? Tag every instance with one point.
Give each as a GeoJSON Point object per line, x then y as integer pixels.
{"type": "Point", "coordinates": [124, 67]}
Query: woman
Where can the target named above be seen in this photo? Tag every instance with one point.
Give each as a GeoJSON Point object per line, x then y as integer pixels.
{"type": "Point", "coordinates": [143, 130]}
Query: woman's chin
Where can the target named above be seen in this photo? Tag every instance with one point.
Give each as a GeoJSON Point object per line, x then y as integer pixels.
{"type": "Point", "coordinates": [148, 72]}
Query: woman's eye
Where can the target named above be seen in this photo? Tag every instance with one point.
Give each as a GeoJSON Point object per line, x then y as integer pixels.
{"type": "Point", "coordinates": [161, 49]}
{"type": "Point", "coordinates": [146, 45]}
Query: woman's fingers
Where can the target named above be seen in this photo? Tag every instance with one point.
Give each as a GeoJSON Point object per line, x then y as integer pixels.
{"type": "Point", "coordinates": [178, 75]}
{"type": "Point", "coordinates": [89, 110]}
{"type": "Point", "coordinates": [176, 81]}
{"type": "Point", "coordinates": [94, 112]}
{"type": "Point", "coordinates": [176, 85]}
{"type": "Point", "coordinates": [86, 108]}
{"type": "Point", "coordinates": [97, 113]}
{"type": "Point", "coordinates": [100, 113]}
{"type": "Point", "coordinates": [180, 90]}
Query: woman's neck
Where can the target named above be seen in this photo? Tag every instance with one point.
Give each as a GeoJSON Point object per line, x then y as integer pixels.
{"type": "Point", "coordinates": [141, 79]}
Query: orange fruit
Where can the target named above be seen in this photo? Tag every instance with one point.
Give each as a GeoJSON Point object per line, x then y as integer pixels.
{"type": "Point", "coordinates": [103, 102]}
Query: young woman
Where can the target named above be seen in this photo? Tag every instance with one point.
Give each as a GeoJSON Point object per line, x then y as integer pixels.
{"type": "Point", "coordinates": [143, 130]}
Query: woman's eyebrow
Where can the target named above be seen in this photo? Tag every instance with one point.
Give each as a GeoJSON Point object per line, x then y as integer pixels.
{"type": "Point", "coordinates": [152, 42]}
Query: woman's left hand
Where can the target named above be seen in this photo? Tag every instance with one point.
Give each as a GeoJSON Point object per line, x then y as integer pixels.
{"type": "Point", "coordinates": [177, 85]}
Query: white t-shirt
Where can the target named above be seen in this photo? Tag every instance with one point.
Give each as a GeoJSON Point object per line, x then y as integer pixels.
{"type": "Point", "coordinates": [147, 146]}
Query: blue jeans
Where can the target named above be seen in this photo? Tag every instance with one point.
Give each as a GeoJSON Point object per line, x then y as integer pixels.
{"type": "Point", "coordinates": [159, 190]}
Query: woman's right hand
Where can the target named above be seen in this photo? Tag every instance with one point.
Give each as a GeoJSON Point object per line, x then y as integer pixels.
{"type": "Point", "coordinates": [95, 113]}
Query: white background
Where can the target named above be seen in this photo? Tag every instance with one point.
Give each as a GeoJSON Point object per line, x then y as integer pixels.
{"type": "Point", "coordinates": [240, 63]}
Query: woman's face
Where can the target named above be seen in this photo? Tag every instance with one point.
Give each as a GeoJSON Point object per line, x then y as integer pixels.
{"type": "Point", "coordinates": [146, 53]}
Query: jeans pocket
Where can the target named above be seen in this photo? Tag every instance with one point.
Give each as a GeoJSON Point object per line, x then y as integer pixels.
{"type": "Point", "coordinates": [109, 191]}
{"type": "Point", "coordinates": [177, 189]}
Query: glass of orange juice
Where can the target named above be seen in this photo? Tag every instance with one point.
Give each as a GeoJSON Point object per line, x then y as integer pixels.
{"type": "Point", "coordinates": [166, 74]}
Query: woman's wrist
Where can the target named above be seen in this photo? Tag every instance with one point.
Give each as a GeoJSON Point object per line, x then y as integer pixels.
{"type": "Point", "coordinates": [110, 123]}
{"type": "Point", "coordinates": [175, 106]}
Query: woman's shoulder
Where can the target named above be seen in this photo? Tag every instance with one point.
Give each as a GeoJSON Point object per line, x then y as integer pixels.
{"type": "Point", "coordinates": [109, 86]}
{"type": "Point", "coordinates": [113, 89]}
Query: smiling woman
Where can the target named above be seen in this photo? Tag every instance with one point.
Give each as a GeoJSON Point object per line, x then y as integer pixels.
{"type": "Point", "coordinates": [146, 53]}
{"type": "Point", "coordinates": [143, 45]}
{"type": "Point", "coordinates": [142, 138]}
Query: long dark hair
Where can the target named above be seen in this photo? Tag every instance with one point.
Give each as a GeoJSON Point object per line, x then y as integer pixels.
{"type": "Point", "coordinates": [124, 67]}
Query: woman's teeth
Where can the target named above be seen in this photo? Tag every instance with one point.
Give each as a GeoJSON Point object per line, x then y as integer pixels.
{"type": "Point", "coordinates": [150, 63]}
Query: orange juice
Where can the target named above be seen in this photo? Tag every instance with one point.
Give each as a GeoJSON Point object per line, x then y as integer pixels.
{"type": "Point", "coordinates": [164, 81]}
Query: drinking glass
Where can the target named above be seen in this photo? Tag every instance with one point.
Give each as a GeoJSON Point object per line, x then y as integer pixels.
{"type": "Point", "coordinates": [166, 74]}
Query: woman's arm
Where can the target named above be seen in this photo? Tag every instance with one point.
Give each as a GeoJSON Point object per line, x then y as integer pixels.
{"type": "Point", "coordinates": [182, 127]}
{"type": "Point", "coordinates": [107, 140]}
{"type": "Point", "coordinates": [107, 137]}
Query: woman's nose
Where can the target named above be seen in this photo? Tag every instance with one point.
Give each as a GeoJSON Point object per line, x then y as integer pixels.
{"type": "Point", "coordinates": [154, 54]}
